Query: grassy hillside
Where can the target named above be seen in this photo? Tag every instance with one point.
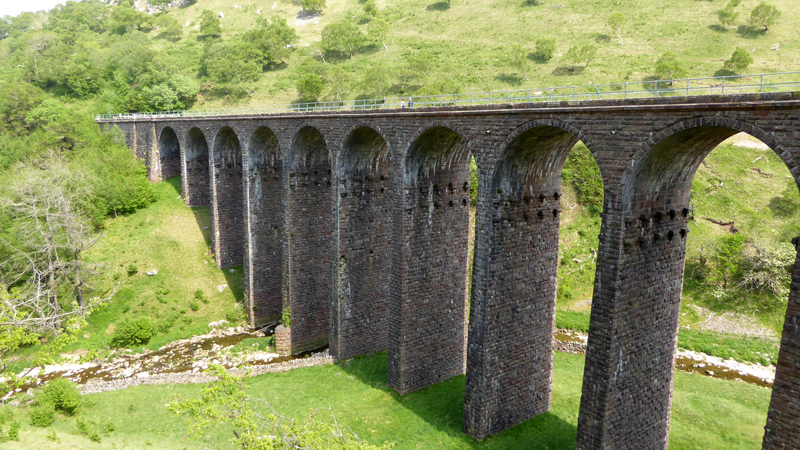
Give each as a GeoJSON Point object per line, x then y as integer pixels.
{"type": "Point", "coordinates": [471, 42]}
{"type": "Point", "coordinates": [707, 413]}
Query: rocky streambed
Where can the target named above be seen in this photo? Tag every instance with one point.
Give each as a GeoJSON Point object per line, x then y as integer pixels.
{"type": "Point", "coordinates": [570, 341]}
{"type": "Point", "coordinates": [185, 361]}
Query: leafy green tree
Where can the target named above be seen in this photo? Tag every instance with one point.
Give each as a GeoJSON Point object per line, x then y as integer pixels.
{"type": "Point", "coordinates": [616, 21]}
{"type": "Point", "coordinates": [232, 62]}
{"type": "Point", "coordinates": [519, 59]}
{"type": "Point", "coordinates": [378, 28]}
{"type": "Point", "coordinates": [169, 26]}
{"type": "Point", "coordinates": [583, 53]}
{"type": "Point", "coordinates": [370, 8]}
{"type": "Point", "coordinates": [340, 81]}
{"type": "Point", "coordinates": [125, 19]}
{"type": "Point", "coordinates": [309, 86]}
{"type": "Point", "coordinates": [313, 6]}
{"type": "Point", "coordinates": [728, 15]}
{"type": "Point", "coordinates": [729, 255]}
{"type": "Point", "coordinates": [209, 24]}
{"type": "Point", "coordinates": [739, 61]}
{"type": "Point", "coordinates": [377, 80]}
{"type": "Point", "coordinates": [415, 70]}
{"type": "Point", "coordinates": [764, 15]}
{"type": "Point", "coordinates": [272, 38]}
{"type": "Point", "coordinates": [669, 67]}
{"type": "Point", "coordinates": [343, 36]}
{"type": "Point", "coordinates": [545, 48]}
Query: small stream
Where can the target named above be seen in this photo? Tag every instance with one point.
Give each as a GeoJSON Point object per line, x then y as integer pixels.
{"type": "Point", "coordinates": [194, 355]}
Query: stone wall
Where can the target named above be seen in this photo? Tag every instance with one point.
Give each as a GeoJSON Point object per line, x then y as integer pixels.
{"type": "Point", "coordinates": [309, 203]}
{"type": "Point", "coordinates": [360, 308]}
{"type": "Point", "coordinates": [264, 262]}
{"type": "Point", "coordinates": [196, 189]}
{"type": "Point", "coordinates": [227, 214]}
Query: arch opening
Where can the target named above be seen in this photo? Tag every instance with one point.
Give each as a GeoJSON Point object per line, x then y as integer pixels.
{"type": "Point", "coordinates": [684, 259]}
{"type": "Point", "coordinates": [196, 188]}
{"type": "Point", "coordinates": [431, 345]}
{"type": "Point", "coordinates": [264, 264]}
{"type": "Point", "coordinates": [360, 311]}
{"type": "Point", "coordinates": [513, 310]}
{"type": "Point", "coordinates": [228, 235]}
{"type": "Point", "coordinates": [309, 231]}
{"type": "Point", "coordinates": [169, 153]}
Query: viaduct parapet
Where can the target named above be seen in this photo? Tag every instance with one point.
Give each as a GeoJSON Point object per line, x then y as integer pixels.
{"type": "Point", "coordinates": [355, 225]}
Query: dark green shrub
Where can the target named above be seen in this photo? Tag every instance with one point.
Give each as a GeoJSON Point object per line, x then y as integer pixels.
{"type": "Point", "coordinates": [132, 270]}
{"type": "Point", "coordinates": [43, 415]}
{"type": "Point", "coordinates": [133, 332]}
{"type": "Point", "coordinates": [13, 432]}
{"type": "Point", "coordinates": [62, 394]}
{"type": "Point", "coordinates": [194, 306]}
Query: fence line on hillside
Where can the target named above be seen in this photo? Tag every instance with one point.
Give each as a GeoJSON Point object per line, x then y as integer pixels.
{"type": "Point", "coordinates": [732, 84]}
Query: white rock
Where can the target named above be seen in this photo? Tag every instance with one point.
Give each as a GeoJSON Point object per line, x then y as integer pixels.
{"type": "Point", "coordinates": [152, 272]}
{"type": "Point", "coordinates": [221, 16]}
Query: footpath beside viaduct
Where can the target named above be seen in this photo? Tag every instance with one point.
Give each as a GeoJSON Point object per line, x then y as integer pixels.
{"type": "Point", "coordinates": [355, 224]}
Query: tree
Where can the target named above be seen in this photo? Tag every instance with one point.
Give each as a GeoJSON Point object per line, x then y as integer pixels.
{"type": "Point", "coordinates": [519, 59]}
{"type": "Point", "coordinates": [45, 265]}
{"type": "Point", "coordinates": [727, 16]}
{"type": "Point", "coordinates": [340, 80]}
{"type": "Point", "coordinates": [545, 47]}
{"type": "Point", "coordinates": [225, 402]}
{"type": "Point", "coordinates": [581, 53]}
{"type": "Point", "coordinates": [616, 21]}
{"type": "Point", "coordinates": [370, 8]}
{"type": "Point", "coordinates": [272, 39]}
{"type": "Point", "coordinates": [669, 67]}
{"type": "Point", "coordinates": [232, 62]}
{"type": "Point", "coordinates": [309, 86]}
{"type": "Point", "coordinates": [169, 26]}
{"type": "Point", "coordinates": [729, 255]}
{"type": "Point", "coordinates": [739, 61]}
{"type": "Point", "coordinates": [764, 15]}
{"type": "Point", "coordinates": [377, 80]}
{"type": "Point", "coordinates": [377, 30]}
{"type": "Point", "coordinates": [209, 24]}
{"type": "Point", "coordinates": [343, 37]}
{"type": "Point", "coordinates": [313, 6]}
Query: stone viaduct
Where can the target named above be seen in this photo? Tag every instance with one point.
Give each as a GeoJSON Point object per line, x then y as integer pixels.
{"type": "Point", "coordinates": [355, 224]}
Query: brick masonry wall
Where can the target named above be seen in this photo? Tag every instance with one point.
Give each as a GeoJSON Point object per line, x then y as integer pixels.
{"type": "Point", "coordinates": [196, 189]}
{"type": "Point", "coordinates": [360, 308]}
{"type": "Point", "coordinates": [637, 286]}
{"type": "Point", "coordinates": [509, 376]}
{"type": "Point", "coordinates": [227, 217]}
{"type": "Point", "coordinates": [309, 203]}
{"type": "Point", "coordinates": [435, 236]}
{"type": "Point", "coordinates": [169, 153]}
{"type": "Point", "coordinates": [263, 264]}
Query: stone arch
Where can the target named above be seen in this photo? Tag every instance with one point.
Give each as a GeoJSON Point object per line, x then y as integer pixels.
{"type": "Point", "coordinates": [510, 368]}
{"type": "Point", "coordinates": [227, 199]}
{"type": "Point", "coordinates": [435, 233]}
{"type": "Point", "coordinates": [309, 226]}
{"type": "Point", "coordinates": [169, 154]}
{"type": "Point", "coordinates": [359, 316]}
{"type": "Point", "coordinates": [196, 188]}
{"type": "Point", "coordinates": [265, 195]}
{"type": "Point", "coordinates": [638, 335]}
{"type": "Point", "coordinates": [706, 133]}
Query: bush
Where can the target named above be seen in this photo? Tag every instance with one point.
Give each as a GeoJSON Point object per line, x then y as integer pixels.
{"type": "Point", "coordinates": [132, 270]}
{"type": "Point", "coordinates": [62, 394]}
{"type": "Point", "coordinates": [133, 332]}
{"type": "Point", "coordinates": [43, 415]}
{"type": "Point", "coordinates": [194, 306]}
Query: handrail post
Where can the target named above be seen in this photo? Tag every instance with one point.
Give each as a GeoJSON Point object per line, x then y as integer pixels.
{"type": "Point", "coordinates": [626, 90]}
{"type": "Point", "coordinates": [761, 86]}
{"type": "Point", "coordinates": [687, 87]}
{"type": "Point", "coordinates": [573, 93]}
{"type": "Point", "coordinates": [723, 85]}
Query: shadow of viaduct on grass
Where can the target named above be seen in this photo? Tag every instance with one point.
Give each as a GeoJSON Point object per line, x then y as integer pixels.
{"type": "Point", "coordinates": [442, 406]}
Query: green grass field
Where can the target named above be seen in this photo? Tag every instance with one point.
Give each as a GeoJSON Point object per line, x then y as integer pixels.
{"type": "Point", "coordinates": [469, 44]}
{"type": "Point", "coordinates": [707, 413]}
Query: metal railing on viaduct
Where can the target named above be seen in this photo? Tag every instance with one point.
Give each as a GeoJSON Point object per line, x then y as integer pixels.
{"type": "Point", "coordinates": [355, 225]}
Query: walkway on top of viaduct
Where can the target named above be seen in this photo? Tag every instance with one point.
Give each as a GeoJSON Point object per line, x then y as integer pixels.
{"type": "Point", "coordinates": [356, 224]}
